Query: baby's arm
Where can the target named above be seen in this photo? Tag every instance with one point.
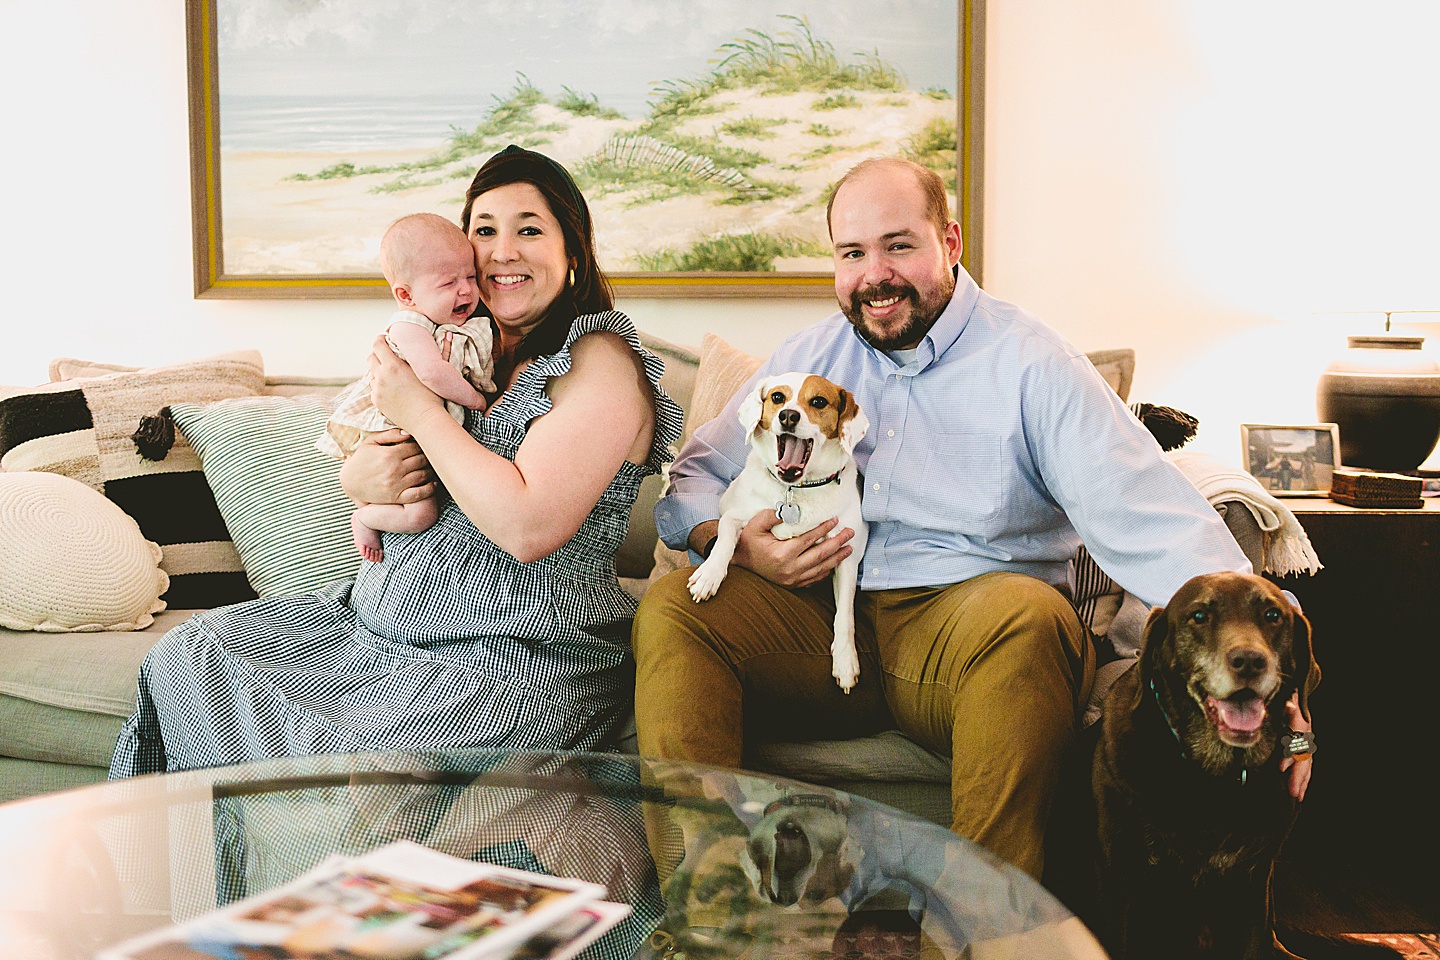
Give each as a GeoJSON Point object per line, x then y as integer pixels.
{"type": "Point", "coordinates": [419, 349]}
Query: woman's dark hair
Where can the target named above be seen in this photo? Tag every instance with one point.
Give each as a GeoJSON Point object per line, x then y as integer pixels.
{"type": "Point", "coordinates": [590, 293]}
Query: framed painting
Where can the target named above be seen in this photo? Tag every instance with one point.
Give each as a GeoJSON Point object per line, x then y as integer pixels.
{"type": "Point", "coordinates": [706, 143]}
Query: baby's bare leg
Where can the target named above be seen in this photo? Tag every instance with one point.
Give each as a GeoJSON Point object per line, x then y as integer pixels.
{"type": "Point", "coordinates": [370, 519]}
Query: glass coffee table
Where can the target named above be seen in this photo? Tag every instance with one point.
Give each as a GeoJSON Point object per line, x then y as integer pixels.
{"type": "Point", "coordinates": [714, 862]}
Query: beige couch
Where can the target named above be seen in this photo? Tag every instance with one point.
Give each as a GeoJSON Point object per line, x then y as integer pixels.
{"type": "Point", "coordinates": [63, 696]}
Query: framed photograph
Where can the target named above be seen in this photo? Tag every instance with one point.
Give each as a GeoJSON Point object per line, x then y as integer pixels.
{"type": "Point", "coordinates": [705, 139]}
{"type": "Point", "coordinates": [1291, 460]}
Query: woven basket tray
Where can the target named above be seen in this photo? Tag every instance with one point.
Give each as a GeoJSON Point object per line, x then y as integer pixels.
{"type": "Point", "coordinates": [1361, 488]}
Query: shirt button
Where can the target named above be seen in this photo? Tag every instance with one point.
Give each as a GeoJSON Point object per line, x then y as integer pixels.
{"type": "Point", "coordinates": [889, 433]}
{"type": "Point", "coordinates": [876, 487]}
{"type": "Point", "coordinates": [874, 571]}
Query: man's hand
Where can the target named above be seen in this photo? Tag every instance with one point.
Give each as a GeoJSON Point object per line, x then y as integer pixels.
{"type": "Point", "coordinates": [798, 562]}
{"type": "Point", "coordinates": [388, 467]}
{"type": "Point", "coordinates": [1299, 772]}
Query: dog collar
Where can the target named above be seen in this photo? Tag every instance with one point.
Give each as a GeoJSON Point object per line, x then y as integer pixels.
{"type": "Point", "coordinates": [803, 800]}
{"type": "Point", "coordinates": [787, 510]}
{"type": "Point", "coordinates": [1155, 694]}
{"type": "Point", "coordinates": [833, 478]}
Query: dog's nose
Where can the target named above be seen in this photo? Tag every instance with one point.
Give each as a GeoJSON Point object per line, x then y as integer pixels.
{"type": "Point", "coordinates": [1247, 662]}
{"type": "Point", "coordinates": [789, 419]}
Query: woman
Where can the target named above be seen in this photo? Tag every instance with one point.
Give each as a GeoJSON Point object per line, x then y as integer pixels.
{"type": "Point", "coordinates": [502, 625]}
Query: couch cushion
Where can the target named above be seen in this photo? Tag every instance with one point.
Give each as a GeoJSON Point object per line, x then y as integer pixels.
{"type": "Point", "coordinates": [888, 755]}
{"type": "Point", "coordinates": [63, 696]}
{"type": "Point", "coordinates": [82, 427]}
{"type": "Point", "coordinates": [73, 560]}
{"type": "Point", "coordinates": [280, 496]}
{"type": "Point", "coordinates": [637, 553]}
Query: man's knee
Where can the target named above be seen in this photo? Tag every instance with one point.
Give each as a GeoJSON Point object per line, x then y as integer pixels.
{"type": "Point", "coordinates": [1026, 607]}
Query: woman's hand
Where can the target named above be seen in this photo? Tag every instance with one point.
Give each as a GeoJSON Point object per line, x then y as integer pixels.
{"type": "Point", "coordinates": [1299, 770]}
{"type": "Point", "coordinates": [388, 467]}
{"type": "Point", "coordinates": [397, 392]}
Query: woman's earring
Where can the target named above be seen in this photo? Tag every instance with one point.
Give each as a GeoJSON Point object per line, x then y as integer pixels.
{"type": "Point", "coordinates": [572, 276]}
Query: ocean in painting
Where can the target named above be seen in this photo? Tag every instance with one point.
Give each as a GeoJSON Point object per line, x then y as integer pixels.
{"type": "Point", "coordinates": [340, 124]}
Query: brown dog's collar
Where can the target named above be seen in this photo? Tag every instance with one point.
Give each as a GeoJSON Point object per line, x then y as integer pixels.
{"type": "Point", "coordinates": [1244, 774]}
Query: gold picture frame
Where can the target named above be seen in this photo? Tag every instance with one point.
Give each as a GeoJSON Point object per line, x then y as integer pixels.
{"type": "Point", "coordinates": [214, 278]}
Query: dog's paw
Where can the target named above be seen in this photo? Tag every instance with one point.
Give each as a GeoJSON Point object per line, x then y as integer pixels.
{"type": "Point", "coordinates": [706, 580]}
{"type": "Point", "coordinates": [845, 666]}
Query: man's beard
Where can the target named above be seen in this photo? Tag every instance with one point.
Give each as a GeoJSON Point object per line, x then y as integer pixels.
{"type": "Point", "coordinates": [923, 313]}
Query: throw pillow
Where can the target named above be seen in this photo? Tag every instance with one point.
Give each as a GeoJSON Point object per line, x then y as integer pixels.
{"type": "Point", "coordinates": [279, 495]}
{"type": "Point", "coordinates": [81, 428]}
{"type": "Point", "coordinates": [73, 560]}
{"type": "Point", "coordinates": [722, 372]}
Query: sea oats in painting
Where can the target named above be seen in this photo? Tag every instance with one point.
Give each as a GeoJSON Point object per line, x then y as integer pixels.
{"type": "Point", "coordinates": [704, 143]}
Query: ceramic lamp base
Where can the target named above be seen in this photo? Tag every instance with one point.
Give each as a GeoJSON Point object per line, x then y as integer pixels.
{"type": "Point", "coordinates": [1385, 396]}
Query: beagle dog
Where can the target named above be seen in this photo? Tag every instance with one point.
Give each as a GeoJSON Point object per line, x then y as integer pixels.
{"type": "Point", "coordinates": [803, 430]}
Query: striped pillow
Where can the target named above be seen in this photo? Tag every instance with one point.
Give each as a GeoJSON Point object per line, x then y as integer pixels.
{"type": "Point", "coordinates": [279, 495]}
{"type": "Point", "coordinates": [81, 428]}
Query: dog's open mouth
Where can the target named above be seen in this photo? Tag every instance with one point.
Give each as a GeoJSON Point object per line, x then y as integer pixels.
{"type": "Point", "coordinates": [794, 454]}
{"type": "Point", "coordinates": [1237, 718]}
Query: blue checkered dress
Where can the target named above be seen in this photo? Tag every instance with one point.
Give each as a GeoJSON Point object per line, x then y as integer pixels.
{"type": "Point", "coordinates": [450, 642]}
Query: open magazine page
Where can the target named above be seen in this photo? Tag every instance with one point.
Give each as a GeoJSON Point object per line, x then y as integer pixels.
{"type": "Point", "coordinates": [397, 902]}
{"type": "Point", "coordinates": [569, 935]}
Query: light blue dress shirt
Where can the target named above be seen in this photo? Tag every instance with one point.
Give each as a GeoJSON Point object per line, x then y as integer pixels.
{"type": "Point", "coordinates": [998, 447]}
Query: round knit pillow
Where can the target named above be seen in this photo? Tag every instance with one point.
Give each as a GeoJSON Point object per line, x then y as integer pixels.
{"type": "Point", "coordinates": [72, 560]}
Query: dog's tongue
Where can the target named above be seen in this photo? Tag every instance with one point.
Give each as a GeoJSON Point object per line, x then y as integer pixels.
{"type": "Point", "coordinates": [1242, 713]}
{"type": "Point", "coordinates": [792, 453]}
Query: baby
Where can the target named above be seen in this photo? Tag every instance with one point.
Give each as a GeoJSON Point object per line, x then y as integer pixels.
{"type": "Point", "coordinates": [430, 267]}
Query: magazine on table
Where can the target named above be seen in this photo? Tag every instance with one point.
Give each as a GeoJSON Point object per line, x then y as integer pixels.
{"type": "Point", "coordinates": [401, 901]}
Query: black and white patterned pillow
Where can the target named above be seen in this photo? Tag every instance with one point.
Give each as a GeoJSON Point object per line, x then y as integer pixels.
{"type": "Point", "coordinates": [81, 428]}
{"type": "Point", "coordinates": [279, 495]}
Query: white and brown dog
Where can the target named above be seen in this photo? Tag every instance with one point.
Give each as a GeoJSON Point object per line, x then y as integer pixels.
{"type": "Point", "coordinates": [803, 430]}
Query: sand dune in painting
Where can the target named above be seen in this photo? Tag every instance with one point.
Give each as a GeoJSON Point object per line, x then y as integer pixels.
{"type": "Point", "coordinates": [729, 172]}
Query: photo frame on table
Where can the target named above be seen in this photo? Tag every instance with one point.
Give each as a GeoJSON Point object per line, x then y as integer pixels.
{"type": "Point", "coordinates": [1291, 460]}
{"type": "Point", "coordinates": [705, 146]}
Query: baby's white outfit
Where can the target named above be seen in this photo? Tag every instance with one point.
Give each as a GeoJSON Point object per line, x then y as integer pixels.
{"type": "Point", "coordinates": [355, 417]}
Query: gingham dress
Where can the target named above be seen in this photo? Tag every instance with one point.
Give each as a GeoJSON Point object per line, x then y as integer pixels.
{"type": "Point", "coordinates": [450, 642]}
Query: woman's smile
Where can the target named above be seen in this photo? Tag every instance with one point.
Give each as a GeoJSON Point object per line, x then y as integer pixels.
{"type": "Point", "coordinates": [520, 250]}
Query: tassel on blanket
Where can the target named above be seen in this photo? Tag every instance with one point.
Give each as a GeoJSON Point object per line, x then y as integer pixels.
{"type": "Point", "coordinates": [1287, 547]}
{"type": "Point", "coordinates": [155, 436]}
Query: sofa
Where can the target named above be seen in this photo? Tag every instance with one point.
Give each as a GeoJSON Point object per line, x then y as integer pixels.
{"type": "Point", "coordinates": [64, 692]}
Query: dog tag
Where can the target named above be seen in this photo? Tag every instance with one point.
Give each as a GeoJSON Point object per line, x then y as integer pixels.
{"type": "Point", "coordinates": [787, 512]}
{"type": "Point", "coordinates": [1298, 744]}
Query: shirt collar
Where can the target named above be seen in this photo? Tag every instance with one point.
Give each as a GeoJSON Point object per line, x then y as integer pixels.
{"type": "Point", "coordinates": [948, 326]}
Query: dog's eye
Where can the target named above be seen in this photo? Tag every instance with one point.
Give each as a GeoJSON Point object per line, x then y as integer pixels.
{"type": "Point", "coordinates": [1200, 616]}
{"type": "Point", "coordinates": [777, 397]}
{"type": "Point", "coordinates": [819, 403]}
{"type": "Point", "coordinates": [1271, 615]}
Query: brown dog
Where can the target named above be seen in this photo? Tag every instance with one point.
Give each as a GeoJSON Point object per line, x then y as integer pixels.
{"type": "Point", "coordinates": [1192, 804]}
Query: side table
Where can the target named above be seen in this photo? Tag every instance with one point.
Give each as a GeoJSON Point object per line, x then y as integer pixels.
{"type": "Point", "coordinates": [1367, 844]}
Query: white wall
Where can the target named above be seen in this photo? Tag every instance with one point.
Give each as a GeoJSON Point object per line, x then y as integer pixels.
{"type": "Point", "coordinates": [1187, 177]}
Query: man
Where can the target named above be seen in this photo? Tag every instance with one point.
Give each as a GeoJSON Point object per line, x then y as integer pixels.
{"type": "Point", "coordinates": [995, 448]}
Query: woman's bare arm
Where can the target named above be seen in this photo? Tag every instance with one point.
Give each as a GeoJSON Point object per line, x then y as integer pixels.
{"type": "Point", "coordinates": [531, 507]}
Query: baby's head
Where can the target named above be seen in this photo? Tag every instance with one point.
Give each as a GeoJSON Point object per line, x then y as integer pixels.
{"type": "Point", "coordinates": [430, 267]}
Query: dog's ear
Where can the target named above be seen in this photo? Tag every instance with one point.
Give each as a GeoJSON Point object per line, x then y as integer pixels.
{"type": "Point", "coordinates": [752, 406]}
{"type": "Point", "coordinates": [1307, 670]}
{"type": "Point", "coordinates": [1153, 639]}
{"type": "Point", "coordinates": [853, 422]}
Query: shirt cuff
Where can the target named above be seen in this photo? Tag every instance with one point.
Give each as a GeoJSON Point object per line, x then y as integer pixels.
{"type": "Point", "coordinates": [676, 514]}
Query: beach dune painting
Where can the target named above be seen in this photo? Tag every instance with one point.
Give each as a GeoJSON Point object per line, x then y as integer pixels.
{"type": "Point", "coordinates": [705, 135]}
